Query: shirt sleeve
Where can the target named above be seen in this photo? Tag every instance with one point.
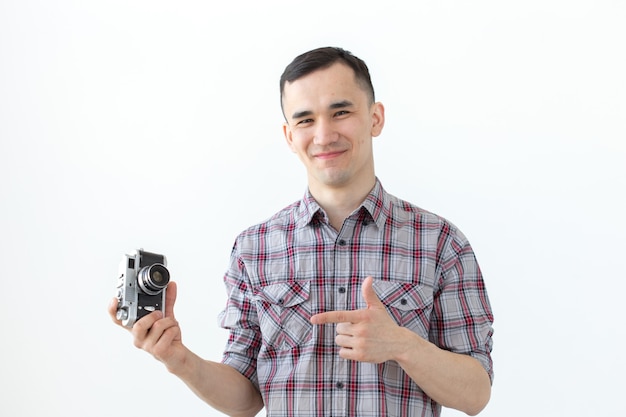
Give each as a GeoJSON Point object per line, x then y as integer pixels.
{"type": "Point", "coordinates": [240, 318]}
{"type": "Point", "coordinates": [462, 317]}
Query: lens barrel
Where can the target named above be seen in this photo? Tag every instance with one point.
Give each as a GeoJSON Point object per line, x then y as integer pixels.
{"type": "Point", "coordinates": [152, 279]}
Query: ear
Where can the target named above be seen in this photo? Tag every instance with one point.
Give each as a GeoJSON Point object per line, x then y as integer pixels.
{"type": "Point", "coordinates": [288, 136]}
{"type": "Point", "coordinates": [378, 118]}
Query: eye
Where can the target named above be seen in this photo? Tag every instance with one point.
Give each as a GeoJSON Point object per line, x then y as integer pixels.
{"type": "Point", "coordinates": [342, 113]}
{"type": "Point", "coordinates": [304, 122]}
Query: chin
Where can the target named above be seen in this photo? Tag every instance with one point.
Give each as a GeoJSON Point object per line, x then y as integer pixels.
{"type": "Point", "coordinates": [336, 179]}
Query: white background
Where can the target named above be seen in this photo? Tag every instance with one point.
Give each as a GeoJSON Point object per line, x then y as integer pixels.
{"type": "Point", "coordinates": [156, 124]}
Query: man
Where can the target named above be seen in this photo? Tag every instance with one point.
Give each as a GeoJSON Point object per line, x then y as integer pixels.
{"type": "Point", "coordinates": [349, 302]}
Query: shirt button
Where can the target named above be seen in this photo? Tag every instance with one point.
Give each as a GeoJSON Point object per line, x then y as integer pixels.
{"type": "Point", "coordinates": [404, 302]}
{"type": "Point", "coordinates": [342, 242]}
{"type": "Point", "coordinates": [342, 290]}
{"type": "Point", "coordinates": [339, 385]}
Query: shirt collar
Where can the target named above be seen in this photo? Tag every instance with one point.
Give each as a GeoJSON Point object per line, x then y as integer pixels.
{"type": "Point", "coordinates": [377, 206]}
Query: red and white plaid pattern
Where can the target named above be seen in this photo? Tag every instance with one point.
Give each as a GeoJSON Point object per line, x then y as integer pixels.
{"type": "Point", "coordinates": [295, 264]}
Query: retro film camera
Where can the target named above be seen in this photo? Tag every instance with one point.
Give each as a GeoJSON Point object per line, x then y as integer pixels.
{"type": "Point", "coordinates": [141, 286]}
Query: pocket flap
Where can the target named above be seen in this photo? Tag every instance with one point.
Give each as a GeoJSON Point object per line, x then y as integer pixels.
{"type": "Point", "coordinates": [402, 296]}
{"type": "Point", "coordinates": [285, 294]}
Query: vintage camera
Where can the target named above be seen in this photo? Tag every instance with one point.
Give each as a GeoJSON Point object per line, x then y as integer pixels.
{"type": "Point", "coordinates": [141, 285]}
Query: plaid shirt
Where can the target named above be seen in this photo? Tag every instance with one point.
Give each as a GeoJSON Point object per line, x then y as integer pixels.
{"type": "Point", "coordinates": [296, 265]}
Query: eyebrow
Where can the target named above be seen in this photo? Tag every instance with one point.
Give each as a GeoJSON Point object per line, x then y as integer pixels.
{"type": "Point", "coordinates": [337, 105]}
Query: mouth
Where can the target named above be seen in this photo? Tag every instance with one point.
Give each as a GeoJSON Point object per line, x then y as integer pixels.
{"type": "Point", "coordinates": [328, 155]}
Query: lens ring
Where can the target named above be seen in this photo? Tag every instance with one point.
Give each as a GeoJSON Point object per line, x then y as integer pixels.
{"type": "Point", "coordinates": [152, 279]}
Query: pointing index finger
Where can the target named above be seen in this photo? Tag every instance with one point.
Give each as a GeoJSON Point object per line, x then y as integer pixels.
{"type": "Point", "coordinates": [334, 317]}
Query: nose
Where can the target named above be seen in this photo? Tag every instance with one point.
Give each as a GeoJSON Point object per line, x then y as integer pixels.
{"type": "Point", "coordinates": [325, 133]}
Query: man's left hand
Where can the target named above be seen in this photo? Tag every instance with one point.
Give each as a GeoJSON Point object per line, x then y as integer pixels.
{"type": "Point", "coordinates": [367, 335]}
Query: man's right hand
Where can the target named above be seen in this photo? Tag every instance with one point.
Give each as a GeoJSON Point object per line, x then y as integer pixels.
{"type": "Point", "coordinates": [225, 390]}
{"type": "Point", "coordinates": [157, 334]}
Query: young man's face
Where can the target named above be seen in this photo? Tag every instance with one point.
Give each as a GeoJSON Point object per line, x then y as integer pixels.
{"type": "Point", "coordinates": [330, 125]}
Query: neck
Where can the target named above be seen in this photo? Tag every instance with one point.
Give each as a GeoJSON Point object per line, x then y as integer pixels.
{"type": "Point", "coordinates": [340, 202]}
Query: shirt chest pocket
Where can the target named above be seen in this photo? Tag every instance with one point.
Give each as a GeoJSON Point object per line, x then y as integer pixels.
{"type": "Point", "coordinates": [284, 311]}
{"type": "Point", "coordinates": [409, 305]}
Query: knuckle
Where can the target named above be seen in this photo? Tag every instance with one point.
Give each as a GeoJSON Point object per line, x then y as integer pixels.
{"type": "Point", "coordinates": [140, 327]}
{"type": "Point", "coordinates": [138, 343]}
{"type": "Point", "coordinates": [157, 326]}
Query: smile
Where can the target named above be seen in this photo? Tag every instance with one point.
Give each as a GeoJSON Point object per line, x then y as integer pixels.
{"type": "Point", "coordinates": [328, 155]}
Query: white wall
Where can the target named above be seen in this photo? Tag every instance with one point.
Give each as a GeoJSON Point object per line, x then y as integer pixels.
{"type": "Point", "coordinates": [156, 124]}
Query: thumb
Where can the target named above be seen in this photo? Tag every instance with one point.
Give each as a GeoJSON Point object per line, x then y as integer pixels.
{"type": "Point", "coordinates": [170, 299]}
{"type": "Point", "coordinates": [369, 295]}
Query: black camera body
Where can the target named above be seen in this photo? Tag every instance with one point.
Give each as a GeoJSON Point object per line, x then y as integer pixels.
{"type": "Point", "coordinates": [141, 286]}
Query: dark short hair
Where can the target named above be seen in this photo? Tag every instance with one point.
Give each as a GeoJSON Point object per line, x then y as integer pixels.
{"type": "Point", "coordinates": [321, 58]}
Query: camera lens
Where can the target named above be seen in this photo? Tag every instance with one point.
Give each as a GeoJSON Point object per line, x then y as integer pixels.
{"type": "Point", "coordinates": [152, 279]}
